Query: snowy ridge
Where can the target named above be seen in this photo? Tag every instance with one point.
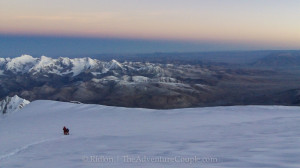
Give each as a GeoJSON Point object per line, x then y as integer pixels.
{"type": "Point", "coordinates": [28, 64]}
{"type": "Point", "coordinates": [66, 66]}
{"type": "Point", "coordinates": [12, 104]}
{"type": "Point", "coordinates": [235, 137]}
{"type": "Point", "coordinates": [21, 64]}
{"type": "Point", "coordinates": [115, 65]}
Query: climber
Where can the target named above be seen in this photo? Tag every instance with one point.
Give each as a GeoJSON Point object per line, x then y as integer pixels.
{"type": "Point", "coordinates": [66, 130]}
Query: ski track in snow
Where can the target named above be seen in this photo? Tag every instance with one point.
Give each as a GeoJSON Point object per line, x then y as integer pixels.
{"type": "Point", "coordinates": [21, 149]}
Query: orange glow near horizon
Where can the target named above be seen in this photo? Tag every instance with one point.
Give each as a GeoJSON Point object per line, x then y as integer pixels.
{"type": "Point", "coordinates": [273, 25]}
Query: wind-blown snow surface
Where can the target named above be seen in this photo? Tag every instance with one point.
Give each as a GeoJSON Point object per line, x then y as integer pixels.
{"type": "Point", "coordinates": [248, 136]}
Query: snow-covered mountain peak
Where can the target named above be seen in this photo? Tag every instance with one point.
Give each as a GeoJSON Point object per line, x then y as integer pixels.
{"type": "Point", "coordinates": [82, 64]}
{"type": "Point", "coordinates": [43, 62]}
{"type": "Point", "coordinates": [21, 64]}
{"type": "Point", "coordinates": [4, 61]}
{"type": "Point", "coordinates": [45, 59]}
{"type": "Point", "coordinates": [115, 65]}
{"type": "Point", "coordinates": [64, 60]}
{"type": "Point", "coordinates": [12, 104]}
{"type": "Point", "coordinates": [91, 62]}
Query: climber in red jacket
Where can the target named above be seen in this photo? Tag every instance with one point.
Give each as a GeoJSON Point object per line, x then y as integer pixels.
{"type": "Point", "coordinates": [66, 130]}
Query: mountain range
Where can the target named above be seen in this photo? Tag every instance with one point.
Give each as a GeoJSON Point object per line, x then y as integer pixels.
{"type": "Point", "coordinates": [144, 84]}
{"type": "Point", "coordinates": [93, 81]}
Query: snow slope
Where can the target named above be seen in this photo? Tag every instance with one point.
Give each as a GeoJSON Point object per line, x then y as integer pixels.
{"type": "Point", "coordinates": [240, 136]}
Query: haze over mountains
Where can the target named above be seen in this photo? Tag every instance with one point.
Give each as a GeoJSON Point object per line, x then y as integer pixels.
{"type": "Point", "coordinates": [282, 59]}
{"type": "Point", "coordinates": [155, 83]}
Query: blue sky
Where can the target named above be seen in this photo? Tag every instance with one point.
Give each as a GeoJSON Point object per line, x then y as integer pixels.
{"type": "Point", "coordinates": [13, 46]}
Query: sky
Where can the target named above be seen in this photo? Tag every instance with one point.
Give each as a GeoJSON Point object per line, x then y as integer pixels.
{"type": "Point", "coordinates": [219, 24]}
